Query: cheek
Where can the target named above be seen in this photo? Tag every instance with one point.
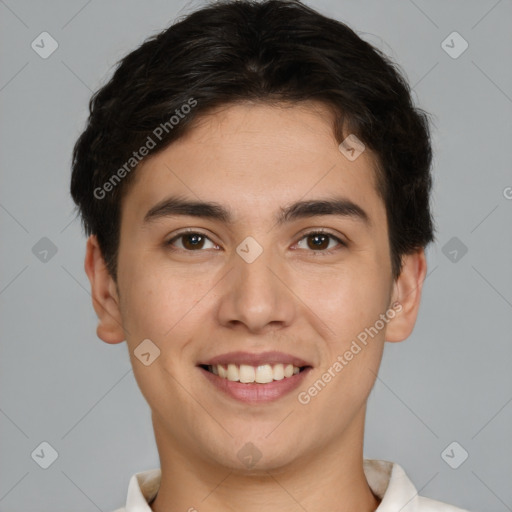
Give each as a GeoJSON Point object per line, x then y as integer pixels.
{"type": "Point", "coordinates": [153, 301]}
{"type": "Point", "coordinates": [169, 306]}
{"type": "Point", "coordinates": [347, 299]}
{"type": "Point", "coordinates": [159, 308]}
{"type": "Point", "coordinates": [353, 354]}
{"type": "Point", "coordinates": [351, 307]}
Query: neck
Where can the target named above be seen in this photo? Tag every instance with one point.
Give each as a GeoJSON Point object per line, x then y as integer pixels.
{"type": "Point", "coordinates": [330, 478]}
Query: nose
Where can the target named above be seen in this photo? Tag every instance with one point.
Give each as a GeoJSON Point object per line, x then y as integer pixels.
{"type": "Point", "coordinates": [256, 293]}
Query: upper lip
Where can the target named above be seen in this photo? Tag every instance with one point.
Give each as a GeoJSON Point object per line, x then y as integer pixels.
{"type": "Point", "coordinates": [261, 358]}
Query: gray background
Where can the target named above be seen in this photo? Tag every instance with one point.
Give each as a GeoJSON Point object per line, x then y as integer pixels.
{"type": "Point", "coordinates": [451, 381]}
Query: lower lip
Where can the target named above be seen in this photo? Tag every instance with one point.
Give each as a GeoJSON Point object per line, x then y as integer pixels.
{"type": "Point", "coordinates": [256, 393]}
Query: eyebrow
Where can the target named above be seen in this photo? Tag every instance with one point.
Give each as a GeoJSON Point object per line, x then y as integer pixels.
{"type": "Point", "coordinates": [339, 206]}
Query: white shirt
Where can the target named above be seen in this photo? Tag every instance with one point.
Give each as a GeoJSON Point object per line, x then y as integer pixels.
{"type": "Point", "coordinates": [386, 479]}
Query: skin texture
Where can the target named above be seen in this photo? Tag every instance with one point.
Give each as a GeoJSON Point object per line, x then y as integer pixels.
{"type": "Point", "coordinates": [255, 159]}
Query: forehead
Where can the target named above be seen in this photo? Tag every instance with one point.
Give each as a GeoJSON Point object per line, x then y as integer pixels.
{"type": "Point", "coordinates": [256, 157]}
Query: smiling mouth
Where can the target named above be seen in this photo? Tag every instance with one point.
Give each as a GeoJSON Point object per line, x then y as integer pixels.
{"type": "Point", "coordinates": [247, 374]}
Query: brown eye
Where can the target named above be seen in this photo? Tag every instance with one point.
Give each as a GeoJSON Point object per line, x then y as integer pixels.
{"type": "Point", "coordinates": [320, 241]}
{"type": "Point", "coordinates": [191, 241]}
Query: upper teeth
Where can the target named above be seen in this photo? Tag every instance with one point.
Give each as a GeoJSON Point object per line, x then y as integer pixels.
{"type": "Point", "coordinates": [247, 374]}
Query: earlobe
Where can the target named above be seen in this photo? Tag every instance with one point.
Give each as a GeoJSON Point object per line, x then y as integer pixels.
{"type": "Point", "coordinates": [104, 296]}
{"type": "Point", "coordinates": [407, 292]}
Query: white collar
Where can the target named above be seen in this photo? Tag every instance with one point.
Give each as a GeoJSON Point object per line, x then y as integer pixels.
{"type": "Point", "coordinates": [387, 480]}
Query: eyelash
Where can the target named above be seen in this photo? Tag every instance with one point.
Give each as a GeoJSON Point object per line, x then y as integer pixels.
{"type": "Point", "coordinates": [169, 243]}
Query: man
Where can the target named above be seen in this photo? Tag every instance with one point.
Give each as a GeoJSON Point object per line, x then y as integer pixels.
{"type": "Point", "coordinates": [255, 185]}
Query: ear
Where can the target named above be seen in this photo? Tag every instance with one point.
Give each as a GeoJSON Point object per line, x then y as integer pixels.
{"type": "Point", "coordinates": [407, 292]}
{"type": "Point", "coordinates": [105, 299]}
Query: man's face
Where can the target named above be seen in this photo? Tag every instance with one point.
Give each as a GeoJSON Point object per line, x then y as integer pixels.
{"type": "Point", "coordinates": [254, 284]}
